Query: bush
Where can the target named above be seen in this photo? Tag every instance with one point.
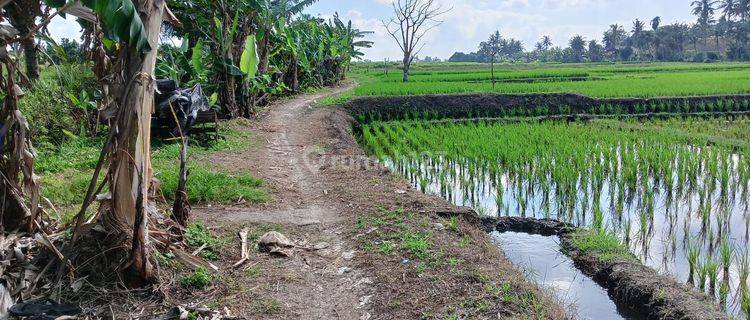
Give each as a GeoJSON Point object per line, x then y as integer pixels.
{"type": "Point", "coordinates": [200, 279]}
{"type": "Point", "coordinates": [51, 116]}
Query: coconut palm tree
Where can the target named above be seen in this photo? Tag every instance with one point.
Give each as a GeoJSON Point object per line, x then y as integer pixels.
{"type": "Point", "coordinates": [613, 38]}
{"type": "Point", "coordinates": [546, 42]}
{"type": "Point", "coordinates": [704, 10]}
{"type": "Point", "coordinates": [491, 48]}
{"type": "Point", "coordinates": [727, 8]}
{"type": "Point", "coordinates": [655, 22]}
{"type": "Point", "coordinates": [742, 9]}
{"type": "Point", "coordinates": [578, 46]}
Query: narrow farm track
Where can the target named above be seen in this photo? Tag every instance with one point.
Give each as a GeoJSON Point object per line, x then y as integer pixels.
{"type": "Point", "coordinates": [318, 284]}
{"type": "Point", "coordinates": [330, 198]}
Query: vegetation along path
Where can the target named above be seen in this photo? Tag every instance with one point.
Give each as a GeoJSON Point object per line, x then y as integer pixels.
{"type": "Point", "coordinates": [369, 246]}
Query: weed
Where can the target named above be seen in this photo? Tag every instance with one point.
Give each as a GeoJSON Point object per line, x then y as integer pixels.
{"type": "Point", "coordinates": [253, 272]}
{"type": "Point", "coordinates": [267, 306]}
{"type": "Point", "coordinates": [197, 235]}
{"type": "Point", "coordinates": [417, 244]}
{"type": "Point", "coordinates": [386, 247]}
{"type": "Point", "coordinates": [200, 279]}
{"type": "Point", "coordinates": [602, 244]}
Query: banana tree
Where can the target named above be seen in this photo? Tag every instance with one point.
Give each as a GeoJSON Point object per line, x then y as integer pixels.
{"type": "Point", "coordinates": [270, 14]}
{"type": "Point", "coordinates": [136, 27]}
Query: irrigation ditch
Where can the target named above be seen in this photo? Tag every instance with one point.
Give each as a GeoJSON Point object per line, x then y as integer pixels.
{"type": "Point", "coordinates": [635, 288]}
{"type": "Point", "coordinates": [629, 283]}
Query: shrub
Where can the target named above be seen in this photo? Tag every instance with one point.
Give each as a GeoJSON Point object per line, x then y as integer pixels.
{"type": "Point", "coordinates": [200, 279]}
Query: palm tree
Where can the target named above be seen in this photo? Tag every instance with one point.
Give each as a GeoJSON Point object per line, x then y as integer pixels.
{"type": "Point", "coordinates": [655, 22]}
{"type": "Point", "coordinates": [637, 35]}
{"type": "Point", "coordinates": [728, 8]}
{"type": "Point", "coordinates": [595, 51]}
{"type": "Point", "coordinates": [704, 10]}
{"type": "Point", "coordinates": [546, 42]}
{"type": "Point", "coordinates": [613, 39]}
{"type": "Point", "coordinates": [578, 46]}
{"type": "Point", "coordinates": [742, 9]}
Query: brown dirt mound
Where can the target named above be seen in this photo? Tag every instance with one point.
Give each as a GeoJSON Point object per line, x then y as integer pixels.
{"type": "Point", "coordinates": [497, 105]}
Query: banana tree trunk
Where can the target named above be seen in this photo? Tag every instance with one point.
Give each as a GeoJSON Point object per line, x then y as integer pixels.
{"type": "Point", "coordinates": [263, 53]}
{"type": "Point", "coordinates": [22, 14]}
{"type": "Point", "coordinates": [130, 161]}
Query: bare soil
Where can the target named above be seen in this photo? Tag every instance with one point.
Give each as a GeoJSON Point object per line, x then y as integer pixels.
{"type": "Point", "coordinates": [376, 248]}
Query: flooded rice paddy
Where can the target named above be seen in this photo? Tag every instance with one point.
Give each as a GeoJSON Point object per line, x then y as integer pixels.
{"type": "Point", "coordinates": [678, 202]}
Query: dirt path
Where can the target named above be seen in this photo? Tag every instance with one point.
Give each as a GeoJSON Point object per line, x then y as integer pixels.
{"type": "Point", "coordinates": [323, 284]}
{"type": "Point", "coordinates": [380, 250]}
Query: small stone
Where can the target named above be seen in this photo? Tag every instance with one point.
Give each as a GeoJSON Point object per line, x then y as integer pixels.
{"type": "Point", "coordinates": [405, 261]}
{"type": "Point", "coordinates": [344, 270]}
{"type": "Point", "coordinates": [348, 255]}
{"type": "Point", "coordinates": [400, 191]}
{"type": "Point", "coordinates": [364, 300]}
{"type": "Point", "coordinates": [362, 281]}
{"type": "Point", "coordinates": [321, 245]}
{"type": "Point", "coordinates": [438, 226]}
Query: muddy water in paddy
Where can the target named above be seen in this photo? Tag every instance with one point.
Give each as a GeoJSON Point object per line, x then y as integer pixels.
{"type": "Point", "coordinates": [540, 258]}
{"type": "Point", "coordinates": [659, 227]}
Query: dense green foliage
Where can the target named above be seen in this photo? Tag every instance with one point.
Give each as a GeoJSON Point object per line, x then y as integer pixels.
{"type": "Point", "coordinates": [596, 80]}
{"type": "Point", "coordinates": [291, 51]}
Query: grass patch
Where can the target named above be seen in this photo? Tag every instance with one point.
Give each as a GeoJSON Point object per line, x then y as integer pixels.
{"type": "Point", "coordinates": [200, 279]}
{"type": "Point", "coordinates": [267, 306]}
{"type": "Point", "coordinates": [418, 244]}
{"type": "Point", "coordinates": [602, 244]}
{"type": "Point", "coordinates": [66, 169]}
{"type": "Point", "coordinates": [197, 235]}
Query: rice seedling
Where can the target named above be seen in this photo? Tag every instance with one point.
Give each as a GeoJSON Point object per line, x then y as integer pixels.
{"type": "Point", "coordinates": [639, 184]}
{"type": "Point", "coordinates": [693, 256]}
{"type": "Point", "coordinates": [743, 262]}
{"type": "Point", "coordinates": [726, 251]}
{"type": "Point", "coordinates": [702, 276]}
{"type": "Point", "coordinates": [670, 79]}
{"type": "Point", "coordinates": [712, 270]}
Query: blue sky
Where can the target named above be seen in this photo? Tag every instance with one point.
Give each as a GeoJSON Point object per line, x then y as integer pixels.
{"type": "Point", "coordinates": [471, 21]}
{"type": "Point", "coordinates": [527, 20]}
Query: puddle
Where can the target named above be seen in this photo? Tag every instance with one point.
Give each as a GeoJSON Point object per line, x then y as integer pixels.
{"type": "Point", "coordinates": [540, 258]}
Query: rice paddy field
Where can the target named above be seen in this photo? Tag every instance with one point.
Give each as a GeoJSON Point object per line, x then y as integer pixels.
{"type": "Point", "coordinates": [595, 80]}
{"type": "Point", "coordinates": [673, 189]}
{"type": "Point", "coordinates": [679, 201]}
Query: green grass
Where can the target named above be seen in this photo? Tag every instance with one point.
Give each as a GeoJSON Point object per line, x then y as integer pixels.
{"type": "Point", "coordinates": [66, 169]}
{"type": "Point", "coordinates": [596, 80]}
{"type": "Point", "coordinates": [604, 245]}
{"type": "Point", "coordinates": [200, 279]}
{"type": "Point", "coordinates": [268, 306]}
{"type": "Point", "coordinates": [197, 235]}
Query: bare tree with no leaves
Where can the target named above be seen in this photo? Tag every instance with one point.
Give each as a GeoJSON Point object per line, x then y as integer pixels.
{"type": "Point", "coordinates": [413, 20]}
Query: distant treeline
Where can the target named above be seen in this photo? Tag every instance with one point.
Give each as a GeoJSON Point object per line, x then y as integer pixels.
{"type": "Point", "coordinates": [721, 32]}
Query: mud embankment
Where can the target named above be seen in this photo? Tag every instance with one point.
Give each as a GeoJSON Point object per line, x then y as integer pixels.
{"type": "Point", "coordinates": [502, 105]}
{"type": "Point", "coordinates": [629, 283]}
